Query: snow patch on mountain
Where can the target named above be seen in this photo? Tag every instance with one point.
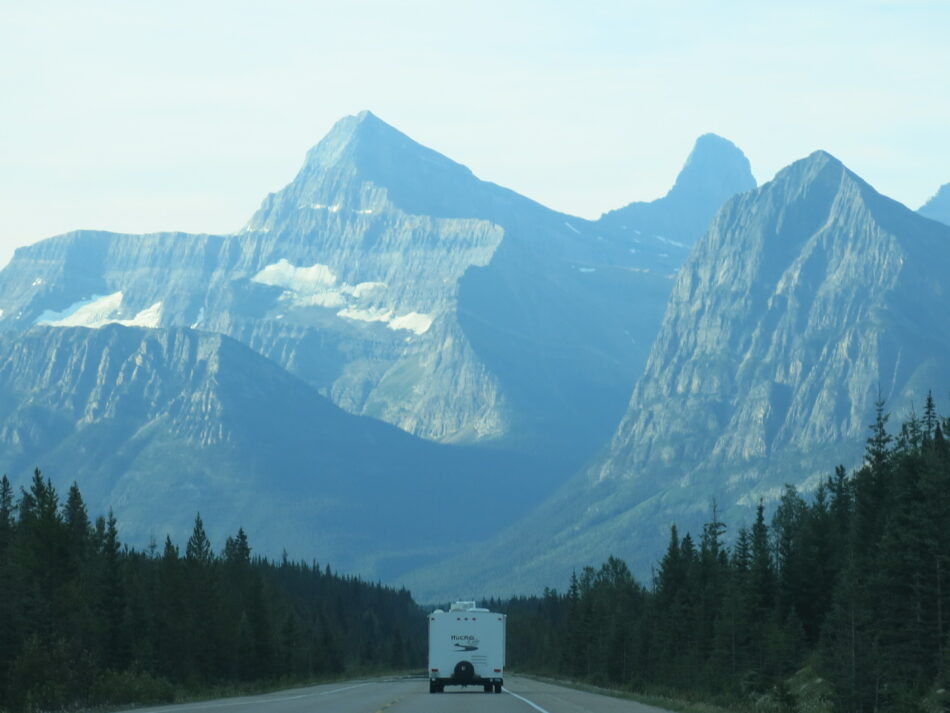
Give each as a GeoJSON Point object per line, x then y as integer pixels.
{"type": "Point", "coordinates": [319, 286]}
{"type": "Point", "coordinates": [296, 279]}
{"type": "Point", "coordinates": [411, 321]}
{"type": "Point", "coordinates": [314, 286]}
{"type": "Point", "coordinates": [98, 311]}
{"type": "Point", "coordinates": [149, 317]}
{"type": "Point", "coordinates": [375, 314]}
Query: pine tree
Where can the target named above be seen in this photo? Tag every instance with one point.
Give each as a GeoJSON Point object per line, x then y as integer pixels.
{"type": "Point", "coordinates": [198, 548]}
{"type": "Point", "coordinates": [112, 603]}
{"type": "Point", "coordinates": [77, 527]}
{"type": "Point", "coordinates": [237, 550]}
{"type": "Point", "coordinates": [6, 517]}
{"type": "Point", "coordinates": [879, 442]}
{"type": "Point", "coordinates": [42, 557]}
{"type": "Point", "coordinates": [788, 524]}
{"type": "Point", "coordinates": [9, 594]}
{"type": "Point", "coordinates": [762, 570]}
{"type": "Point", "coordinates": [851, 651]}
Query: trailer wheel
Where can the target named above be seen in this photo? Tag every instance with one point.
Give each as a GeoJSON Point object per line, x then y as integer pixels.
{"type": "Point", "coordinates": [464, 673]}
{"type": "Point", "coordinates": [488, 688]}
{"type": "Point", "coordinates": [497, 688]}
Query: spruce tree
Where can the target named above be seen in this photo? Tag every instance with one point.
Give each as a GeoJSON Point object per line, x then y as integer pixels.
{"type": "Point", "coordinates": [788, 524]}
{"type": "Point", "coordinates": [77, 526]}
{"type": "Point", "coordinates": [198, 548]}
{"type": "Point", "coordinates": [112, 603]}
{"type": "Point", "coordinates": [762, 570]}
{"type": "Point", "coordinates": [6, 517]}
{"type": "Point", "coordinates": [9, 594]}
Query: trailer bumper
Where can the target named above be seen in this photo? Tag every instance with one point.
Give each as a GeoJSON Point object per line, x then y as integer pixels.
{"type": "Point", "coordinates": [494, 683]}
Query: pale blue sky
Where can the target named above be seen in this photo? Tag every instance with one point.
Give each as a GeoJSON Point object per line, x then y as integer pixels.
{"type": "Point", "coordinates": [143, 115]}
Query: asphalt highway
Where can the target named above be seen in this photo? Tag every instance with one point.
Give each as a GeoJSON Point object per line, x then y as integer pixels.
{"type": "Point", "coordinates": [411, 695]}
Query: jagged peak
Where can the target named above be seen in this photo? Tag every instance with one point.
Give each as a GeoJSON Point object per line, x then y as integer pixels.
{"type": "Point", "coordinates": [715, 170]}
{"type": "Point", "coordinates": [823, 188]}
{"type": "Point", "coordinates": [714, 161]}
{"type": "Point", "coordinates": [938, 207]}
{"type": "Point", "coordinates": [363, 149]}
{"type": "Point", "coordinates": [818, 167]}
{"type": "Point", "coordinates": [351, 132]}
{"type": "Point", "coordinates": [713, 145]}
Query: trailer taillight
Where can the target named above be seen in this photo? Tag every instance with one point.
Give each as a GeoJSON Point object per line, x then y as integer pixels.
{"type": "Point", "coordinates": [435, 670]}
{"type": "Point", "coordinates": [497, 670]}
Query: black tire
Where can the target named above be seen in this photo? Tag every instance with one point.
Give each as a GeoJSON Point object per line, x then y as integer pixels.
{"type": "Point", "coordinates": [488, 688]}
{"type": "Point", "coordinates": [432, 687]}
{"type": "Point", "coordinates": [464, 673]}
{"type": "Point", "coordinates": [497, 688]}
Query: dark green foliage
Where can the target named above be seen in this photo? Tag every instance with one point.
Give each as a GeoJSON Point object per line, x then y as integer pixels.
{"type": "Point", "coordinates": [853, 583]}
{"type": "Point", "coordinates": [85, 620]}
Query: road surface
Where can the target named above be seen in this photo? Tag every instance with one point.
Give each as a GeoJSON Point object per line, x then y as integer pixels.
{"type": "Point", "coordinates": [404, 695]}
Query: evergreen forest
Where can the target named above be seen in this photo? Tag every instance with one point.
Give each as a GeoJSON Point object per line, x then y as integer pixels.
{"type": "Point", "coordinates": [837, 601]}
{"type": "Point", "coordinates": [86, 620]}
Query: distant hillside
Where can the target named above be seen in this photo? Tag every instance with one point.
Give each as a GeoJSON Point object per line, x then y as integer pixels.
{"type": "Point", "coordinates": [164, 423]}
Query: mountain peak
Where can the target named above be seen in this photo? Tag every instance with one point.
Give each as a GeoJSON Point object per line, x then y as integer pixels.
{"type": "Point", "coordinates": [938, 207]}
{"type": "Point", "coordinates": [820, 157]}
{"type": "Point", "coordinates": [350, 133]}
{"type": "Point", "coordinates": [714, 164]}
{"type": "Point", "coordinates": [715, 170]}
{"type": "Point", "coordinates": [823, 177]}
{"type": "Point", "coordinates": [363, 163]}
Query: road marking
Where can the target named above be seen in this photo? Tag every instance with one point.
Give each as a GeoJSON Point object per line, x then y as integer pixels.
{"type": "Point", "coordinates": [338, 690]}
{"type": "Point", "coordinates": [258, 700]}
{"type": "Point", "coordinates": [522, 698]}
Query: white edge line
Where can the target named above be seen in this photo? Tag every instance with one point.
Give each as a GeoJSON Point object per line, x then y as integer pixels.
{"type": "Point", "coordinates": [256, 700]}
{"type": "Point", "coordinates": [522, 698]}
{"type": "Point", "coordinates": [337, 690]}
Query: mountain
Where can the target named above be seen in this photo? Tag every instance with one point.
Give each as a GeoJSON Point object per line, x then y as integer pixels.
{"type": "Point", "coordinates": [715, 171]}
{"type": "Point", "coordinates": [162, 423]}
{"type": "Point", "coordinates": [806, 300]}
{"type": "Point", "coordinates": [938, 207]}
{"type": "Point", "coordinates": [385, 280]}
{"type": "Point", "coordinates": [400, 286]}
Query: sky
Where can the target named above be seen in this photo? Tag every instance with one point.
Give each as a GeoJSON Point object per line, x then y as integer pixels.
{"type": "Point", "coordinates": [152, 115]}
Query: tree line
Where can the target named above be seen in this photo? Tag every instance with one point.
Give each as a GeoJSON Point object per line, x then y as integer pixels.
{"type": "Point", "coordinates": [850, 586]}
{"type": "Point", "coordinates": [86, 620]}
{"type": "Point", "coordinates": [848, 589]}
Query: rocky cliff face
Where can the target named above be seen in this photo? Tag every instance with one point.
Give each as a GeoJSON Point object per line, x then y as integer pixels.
{"type": "Point", "coordinates": [938, 207]}
{"type": "Point", "coordinates": [399, 285]}
{"type": "Point", "coordinates": [806, 300]}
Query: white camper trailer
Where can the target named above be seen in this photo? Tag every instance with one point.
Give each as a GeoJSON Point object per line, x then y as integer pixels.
{"type": "Point", "coordinates": [466, 648]}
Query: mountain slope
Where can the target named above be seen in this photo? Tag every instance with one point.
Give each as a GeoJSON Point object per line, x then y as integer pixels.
{"type": "Point", "coordinates": [160, 423]}
{"type": "Point", "coordinates": [805, 300]}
